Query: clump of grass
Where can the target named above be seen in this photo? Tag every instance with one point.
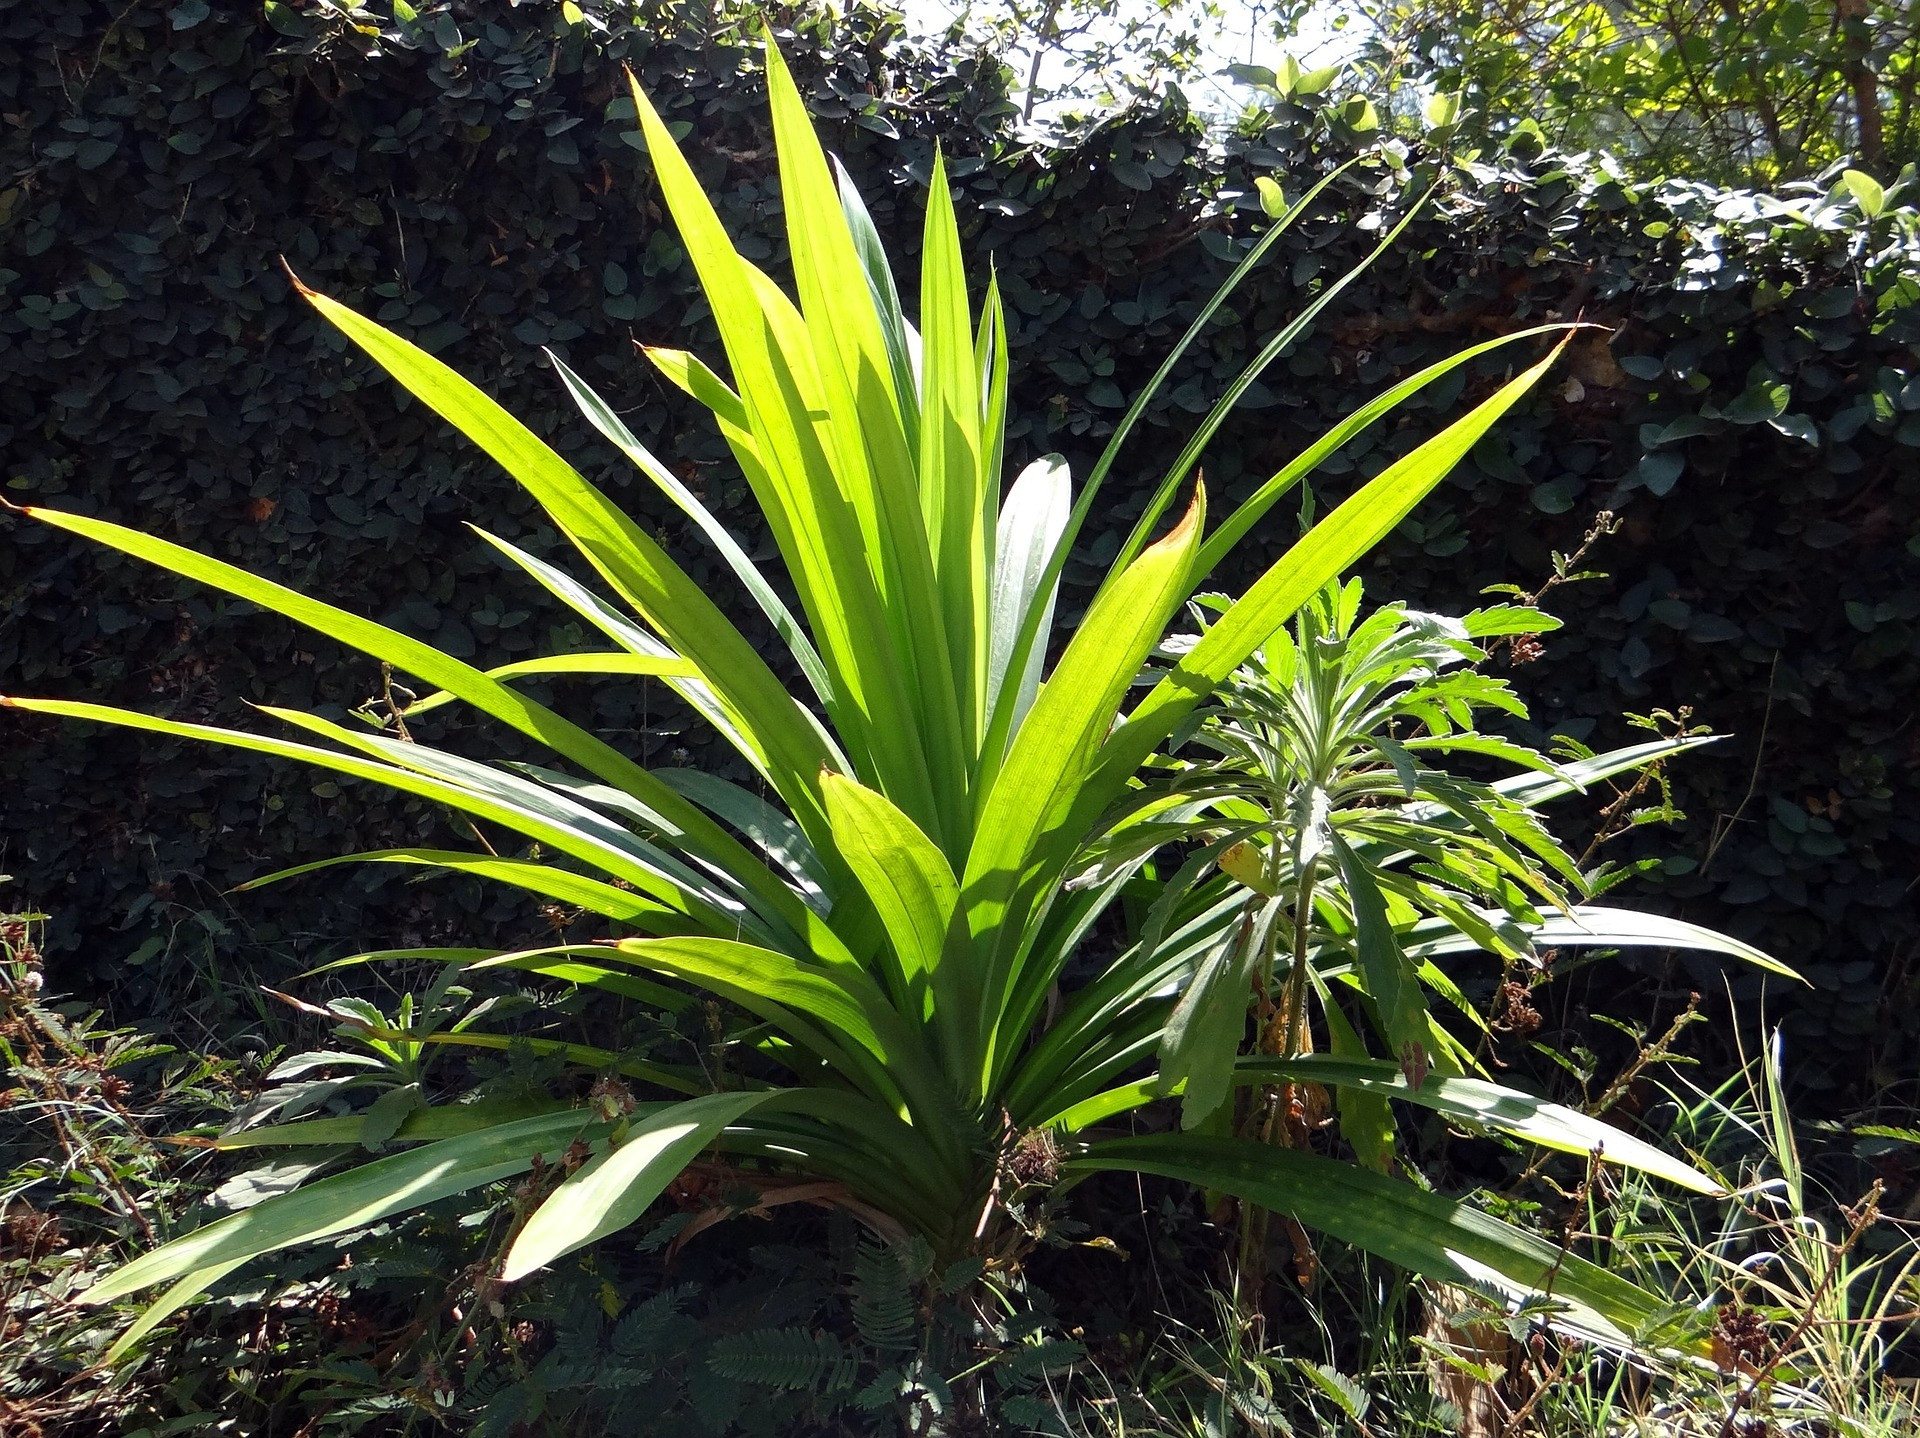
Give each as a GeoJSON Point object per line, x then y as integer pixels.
{"type": "Point", "coordinates": [1807, 1297]}
{"type": "Point", "coordinates": [1810, 1296]}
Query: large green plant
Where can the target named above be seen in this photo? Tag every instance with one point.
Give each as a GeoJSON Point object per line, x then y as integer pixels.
{"type": "Point", "coordinates": [892, 918]}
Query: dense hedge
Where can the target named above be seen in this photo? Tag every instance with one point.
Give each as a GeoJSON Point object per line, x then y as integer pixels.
{"type": "Point", "coordinates": [470, 176]}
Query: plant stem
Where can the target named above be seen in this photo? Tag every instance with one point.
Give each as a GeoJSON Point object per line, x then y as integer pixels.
{"type": "Point", "coordinates": [1278, 1102]}
{"type": "Point", "coordinates": [1297, 975]}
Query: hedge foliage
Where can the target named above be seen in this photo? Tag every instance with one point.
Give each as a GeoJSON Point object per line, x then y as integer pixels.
{"type": "Point", "coordinates": [469, 176]}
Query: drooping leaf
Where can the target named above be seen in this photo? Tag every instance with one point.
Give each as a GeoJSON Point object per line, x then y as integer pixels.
{"type": "Point", "coordinates": [613, 1189]}
{"type": "Point", "coordinates": [1439, 1237]}
{"type": "Point", "coordinates": [1204, 1032]}
{"type": "Point", "coordinates": [355, 1199]}
{"type": "Point", "coordinates": [1550, 1125]}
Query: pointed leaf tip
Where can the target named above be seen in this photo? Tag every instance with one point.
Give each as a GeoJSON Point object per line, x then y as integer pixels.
{"type": "Point", "coordinates": [1196, 513]}
{"type": "Point", "coordinates": [306, 290]}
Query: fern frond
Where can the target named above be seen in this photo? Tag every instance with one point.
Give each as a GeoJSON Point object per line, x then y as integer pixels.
{"type": "Point", "coordinates": [653, 1328]}
{"type": "Point", "coordinates": [789, 1358]}
{"type": "Point", "coordinates": [883, 1306]}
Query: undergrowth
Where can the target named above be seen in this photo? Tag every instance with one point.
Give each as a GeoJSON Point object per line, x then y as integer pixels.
{"type": "Point", "coordinates": [785, 1320]}
{"type": "Point", "coordinates": [1809, 1295]}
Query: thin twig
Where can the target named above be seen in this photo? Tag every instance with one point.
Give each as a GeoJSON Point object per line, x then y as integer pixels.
{"type": "Point", "coordinates": [1721, 832]}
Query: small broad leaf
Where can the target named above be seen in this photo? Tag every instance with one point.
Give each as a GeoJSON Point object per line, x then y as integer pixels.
{"type": "Point", "coordinates": [1867, 192]}
{"type": "Point", "coordinates": [389, 1111]}
{"type": "Point", "coordinates": [1350, 1397]}
{"type": "Point", "coordinates": [1441, 110]}
{"type": "Point", "coordinates": [1391, 981]}
{"type": "Point", "coordinates": [1312, 82]}
{"type": "Point", "coordinates": [1246, 864]}
{"type": "Point", "coordinates": [1258, 76]}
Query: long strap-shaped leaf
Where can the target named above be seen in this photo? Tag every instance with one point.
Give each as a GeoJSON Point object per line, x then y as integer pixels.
{"type": "Point", "coordinates": [1131, 997]}
{"type": "Point", "coordinates": [1495, 1106]}
{"type": "Point", "coordinates": [1022, 843]}
{"type": "Point", "coordinates": [1029, 529]}
{"type": "Point", "coordinates": [902, 353]}
{"type": "Point", "coordinates": [697, 896]}
{"type": "Point", "coordinates": [613, 1189]}
{"type": "Point", "coordinates": [851, 349]}
{"type": "Point", "coordinates": [617, 662]}
{"type": "Point", "coordinates": [613, 855]}
{"type": "Point", "coordinates": [777, 835]}
{"type": "Point", "coordinates": [1251, 509]}
{"type": "Point", "coordinates": [1533, 790]}
{"type": "Point", "coordinates": [626, 556]}
{"type": "Point", "coordinates": [1602, 926]}
{"type": "Point", "coordinates": [699, 695]}
{"type": "Point", "coordinates": [849, 1021]}
{"type": "Point", "coordinates": [913, 891]}
{"type": "Point", "coordinates": [350, 1200]}
{"type": "Point", "coordinates": [872, 459]}
{"type": "Point", "coordinates": [999, 725]}
{"type": "Point", "coordinates": [688, 824]}
{"type": "Point", "coordinates": [1440, 1237]}
{"type": "Point", "coordinates": [165, 1306]}
{"type": "Point", "coordinates": [1524, 1115]}
{"type": "Point", "coordinates": [674, 1078]}
{"type": "Point", "coordinates": [951, 494]}
{"type": "Point", "coordinates": [1360, 522]}
{"type": "Point", "coordinates": [593, 895]}
{"type": "Point", "coordinates": [816, 523]}
{"type": "Point", "coordinates": [990, 355]}
{"type": "Point", "coordinates": [602, 417]}
{"type": "Point", "coordinates": [423, 1125]}
{"type": "Point", "coordinates": [555, 961]}
{"type": "Point", "coordinates": [1196, 444]}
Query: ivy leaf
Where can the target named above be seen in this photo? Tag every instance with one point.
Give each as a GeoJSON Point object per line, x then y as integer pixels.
{"type": "Point", "coordinates": [1764, 401]}
{"type": "Point", "coordinates": [287, 21]}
